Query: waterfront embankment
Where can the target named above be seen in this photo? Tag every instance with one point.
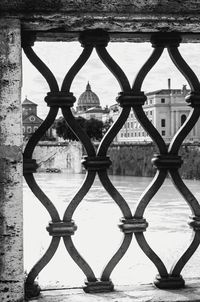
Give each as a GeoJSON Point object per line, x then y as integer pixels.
{"type": "Point", "coordinates": [135, 160]}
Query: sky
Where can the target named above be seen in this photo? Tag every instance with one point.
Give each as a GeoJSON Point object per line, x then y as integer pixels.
{"type": "Point", "coordinates": [60, 56]}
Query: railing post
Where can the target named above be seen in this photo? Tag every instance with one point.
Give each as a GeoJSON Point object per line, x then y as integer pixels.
{"type": "Point", "coordinates": [11, 219]}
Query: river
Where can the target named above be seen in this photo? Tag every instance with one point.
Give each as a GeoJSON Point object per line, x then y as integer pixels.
{"type": "Point", "coordinates": [98, 236]}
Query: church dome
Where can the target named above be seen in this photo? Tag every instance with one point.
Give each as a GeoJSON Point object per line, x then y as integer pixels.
{"type": "Point", "coordinates": [88, 99]}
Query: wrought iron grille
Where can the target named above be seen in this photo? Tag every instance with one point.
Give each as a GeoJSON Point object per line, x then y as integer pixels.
{"type": "Point", "coordinates": [167, 161]}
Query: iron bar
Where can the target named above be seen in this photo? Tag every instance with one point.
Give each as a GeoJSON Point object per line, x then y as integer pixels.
{"type": "Point", "coordinates": [78, 259]}
{"type": "Point", "coordinates": [139, 79]}
{"type": "Point", "coordinates": [117, 257]}
{"type": "Point", "coordinates": [178, 266]}
{"type": "Point", "coordinates": [114, 68]}
{"type": "Point", "coordinates": [42, 68]}
{"type": "Point", "coordinates": [75, 68]}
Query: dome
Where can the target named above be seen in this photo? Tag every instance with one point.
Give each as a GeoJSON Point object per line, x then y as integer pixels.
{"type": "Point", "coordinates": [88, 99]}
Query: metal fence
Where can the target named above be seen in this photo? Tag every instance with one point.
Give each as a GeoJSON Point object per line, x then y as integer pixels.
{"type": "Point", "coordinates": [167, 161]}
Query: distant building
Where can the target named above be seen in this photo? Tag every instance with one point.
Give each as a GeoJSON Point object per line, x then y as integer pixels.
{"type": "Point", "coordinates": [167, 110]}
{"type": "Point", "coordinates": [89, 105]}
{"type": "Point", "coordinates": [30, 120]}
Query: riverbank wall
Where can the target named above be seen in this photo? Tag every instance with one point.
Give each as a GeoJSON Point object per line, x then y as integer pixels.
{"type": "Point", "coordinates": [127, 159]}
{"type": "Point", "coordinates": [135, 160]}
{"type": "Point", "coordinates": [62, 156]}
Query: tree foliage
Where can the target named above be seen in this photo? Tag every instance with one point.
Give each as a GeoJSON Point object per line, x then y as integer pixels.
{"type": "Point", "coordinates": [94, 128]}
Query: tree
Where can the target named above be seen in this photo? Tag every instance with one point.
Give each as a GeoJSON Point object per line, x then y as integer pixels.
{"type": "Point", "coordinates": [94, 128]}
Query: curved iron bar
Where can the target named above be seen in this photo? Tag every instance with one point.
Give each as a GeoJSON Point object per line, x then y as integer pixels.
{"type": "Point", "coordinates": [184, 68]}
{"type": "Point", "coordinates": [45, 201]}
{"type": "Point", "coordinates": [117, 257]}
{"type": "Point", "coordinates": [120, 201]}
{"type": "Point", "coordinates": [151, 61]}
{"type": "Point", "coordinates": [110, 135]}
{"type": "Point", "coordinates": [113, 192]}
{"type": "Point", "coordinates": [150, 191]}
{"type": "Point", "coordinates": [42, 68]}
{"type": "Point", "coordinates": [151, 254]}
{"type": "Point", "coordinates": [78, 131]}
{"type": "Point", "coordinates": [184, 131]}
{"type": "Point", "coordinates": [178, 266]}
{"type": "Point", "coordinates": [185, 192]}
{"type": "Point", "coordinates": [37, 268]}
{"type": "Point", "coordinates": [89, 179]}
{"type": "Point", "coordinates": [75, 68]}
{"type": "Point", "coordinates": [148, 126]}
{"type": "Point", "coordinates": [78, 259]}
{"type": "Point", "coordinates": [114, 68]}
{"type": "Point", "coordinates": [38, 134]}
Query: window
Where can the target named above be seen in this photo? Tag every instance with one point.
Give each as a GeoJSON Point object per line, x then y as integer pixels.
{"type": "Point", "coordinates": [29, 130]}
{"type": "Point", "coordinates": [163, 101]}
{"type": "Point", "coordinates": [32, 118]}
{"type": "Point", "coordinates": [138, 133]}
{"type": "Point", "coordinates": [131, 125]}
{"type": "Point", "coordinates": [131, 133]}
{"type": "Point", "coordinates": [128, 134]}
{"type": "Point", "coordinates": [35, 128]}
{"type": "Point", "coordinates": [163, 133]}
{"type": "Point", "coordinates": [150, 101]}
{"type": "Point", "coordinates": [163, 122]}
{"type": "Point", "coordinates": [121, 134]}
{"type": "Point", "coordinates": [150, 112]}
{"type": "Point", "coordinates": [128, 125]}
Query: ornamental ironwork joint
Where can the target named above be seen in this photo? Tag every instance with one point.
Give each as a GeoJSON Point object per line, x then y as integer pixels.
{"type": "Point", "coordinates": [172, 39]}
{"type": "Point", "coordinates": [128, 99]}
{"type": "Point", "coordinates": [133, 225]}
{"type": "Point", "coordinates": [167, 161]}
{"type": "Point", "coordinates": [31, 290]}
{"type": "Point", "coordinates": [169, 282]}
{"type": "Point", "coordinates": [194, 223]}
{"type": "Point", "coordinates": [61, 228]}
{"type": "Point", "coordinates": [60, 99]}
{"type": "Point", "coordinates": [98, 286]}
{"type": "Point", "coordinates": [193, 99]}
{"type": "Point", "coordinates": [29, 166]}
{"type": "Point", "coordinates": [96, 163]}
{"type": "Point", "coordinates": [94, 38]}
{"type": "Point", "coordinates": [28, 39]}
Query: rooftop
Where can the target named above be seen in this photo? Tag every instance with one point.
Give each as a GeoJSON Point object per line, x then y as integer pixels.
{"type": "Point", "coordinates": [28, 102]}
{"type": "Point", "coordinates": [168, 91]}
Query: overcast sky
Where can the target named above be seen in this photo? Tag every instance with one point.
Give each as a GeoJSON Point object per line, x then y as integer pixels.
{"type": "Point", "coordinates": [59, 57]}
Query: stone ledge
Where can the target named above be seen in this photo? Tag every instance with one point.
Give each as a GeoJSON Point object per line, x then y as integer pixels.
{"type": "Point", "coordinates": [136, 293]}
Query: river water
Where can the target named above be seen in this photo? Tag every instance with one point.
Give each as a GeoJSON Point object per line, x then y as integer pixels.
{"type": "Point", "coordinates": [98, 236]}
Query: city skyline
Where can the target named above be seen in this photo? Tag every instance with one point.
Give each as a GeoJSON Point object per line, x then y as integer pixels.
{"type": "Point", "coordinates": [59, 57]}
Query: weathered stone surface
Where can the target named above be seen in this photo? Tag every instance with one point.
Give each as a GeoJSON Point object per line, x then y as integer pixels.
{"type": "Point", "coordinates": [136, 293]}
{"type": "Point", "coordinates": [122, 6]}
{"type": "Point", "coordinates": [11, 240]}
{"type": "Point", "coordinates": [116, 16]}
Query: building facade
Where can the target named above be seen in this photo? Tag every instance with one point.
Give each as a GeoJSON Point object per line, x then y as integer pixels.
{"type": "Point", "coordinates": [30, 120]}
{"type": "Point", "coordinates": [167, 110]}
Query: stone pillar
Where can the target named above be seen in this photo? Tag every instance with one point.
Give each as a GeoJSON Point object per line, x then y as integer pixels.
{"type": "Point", "coordinates": [11, 218]}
